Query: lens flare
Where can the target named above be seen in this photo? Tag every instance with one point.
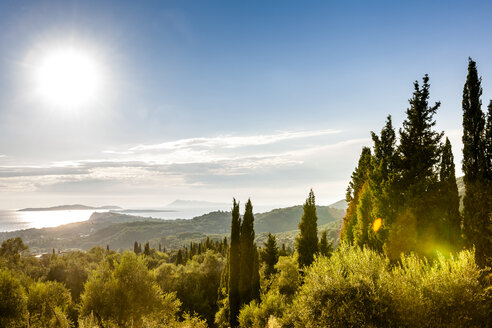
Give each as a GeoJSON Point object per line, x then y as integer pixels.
{"type": "Point", "coordinates": [377, 224]}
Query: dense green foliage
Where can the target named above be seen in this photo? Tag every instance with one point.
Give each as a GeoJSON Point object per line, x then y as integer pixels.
{"type": "Point", "coordinates": [449, 215]}
{"type": "Point", "coordinates": [307, 241]}
{"type": "Point", "coordinates": [12, 300]}
{"type": "Point", "coordinates": [359, 288]}
{"type": "Point", "coordinates": [359, 178]}
{"type": "Point", "coordinates": [234, 265]}
{"type": "Point", "coordinates": [325, 247]}
{"type": "Point", "coordinates": [269, 255]}
{"type": "Point", "coordinates": [477, 167]}
{"type": "Point", "coordinates": [249, 280]}
{"type": "Point", "coordinates": [410, 188]}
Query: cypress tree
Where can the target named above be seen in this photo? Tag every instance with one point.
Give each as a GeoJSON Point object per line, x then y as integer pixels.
{"type": "Point", "coordinates": [270, 255]}
{"type": "Point", "coordinates": [359, 177]}
{"type": "Point", "coordinates": [476, 208]}
{"type": "Point", "coordinates": [248, 256]}
{"type": "Point", "coordinates": [234, 265]}
{"type": "Point", "coordinates": [255, 278]}
{"type": "Point", "coordinates": [307, 240]}
{"type": "Point", "coordinates": [223, 292]}
{"type": "Point", "coordinates": [364, 218]}
{"type": "Point", "coordinates": [135, 248]}
{"type": "Point", "coordinates": [147, 249]}
{"type": "Point", "coordinates": [179, 258]}
{"type": "Point", "coordinates": [450, 200]}
{"type": "Point", "coordinates": [419, 155]}
{"type": "Point", "coordinates": [488, 144]}
{"type": "Point", "coordinates": [381, 181]}
{"type": "Point", "coordinates": [325, 248]}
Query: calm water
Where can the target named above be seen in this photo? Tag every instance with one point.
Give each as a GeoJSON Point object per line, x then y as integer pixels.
{"type": "Point", "coordinates": [11, 220]}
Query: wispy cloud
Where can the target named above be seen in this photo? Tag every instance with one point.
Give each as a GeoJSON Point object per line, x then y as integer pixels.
{"type": "Point", "coordinates": [228, 141]}
{"type": "Point", "coordinates": [279, 160]}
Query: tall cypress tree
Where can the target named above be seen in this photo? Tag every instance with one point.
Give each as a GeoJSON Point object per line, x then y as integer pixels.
{"type": "Point", "coordinates": [420, 152]}
{"type": "Point", "coordinates": [249, 269]}
{"type": "Point", "coordinates": [476, 218]}
{"type": "Point", "coordinates": [255, 278]}
{"type": "Point", "coordinates": [234, 265]}
{"type": "Point", "coordinates": [382, 182]}
{"type": "Point", "coordinates": [359, 177]}
{"type": "Point", "coordinates": [488, 143]}
{"type": "Point", "coordinates": [450, 200]}
{"type": "Point", "coordinates": [364, 217]}
{"type": "Point", "coordinates": [307, 240]}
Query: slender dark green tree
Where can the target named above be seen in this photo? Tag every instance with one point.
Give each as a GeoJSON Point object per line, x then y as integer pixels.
{"type": "Point", "coordinates": [382, 179]}
{"type": "Point", "coordinates": [234, 265]}
{"type": "Point", "coordinates": [270, 255]}
{"type": "Point", "coordinates": [359, 177]}
{"type": "Point", "coordinates": [364, 217]}
{"type": "Point", "coordinates": [419, 155]}
{"type": "Point", "coordinates": [450, 200]}
{"type": "Point", "coordinates": [136, 248]}
{"type": "Point", "coordinates": [147, 249]}
{"type": "Point", "coordinates": [255, 278]}
{"type": "Point", "coordinates": [488, 142]}
{"type": "Point", "coordinates": [476, 216]}
{"type": "Point", "coordinates": [325, 247]}
{"type": "Point", "coordinates": [179, 258]}
{"type": "Point", "coordinates": [473, 126]}
{"type": "Point", "coordinates": [248, 256]}
{"type": "Point", "coordinates": [307, 240]}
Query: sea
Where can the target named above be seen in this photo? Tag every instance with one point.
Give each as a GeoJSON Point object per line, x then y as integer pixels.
{"type": "Point", "coordinates": [11, 220]}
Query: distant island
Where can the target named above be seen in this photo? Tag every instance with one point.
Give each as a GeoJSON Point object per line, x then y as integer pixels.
{"type": "Point", "coordinates": [69, 208]}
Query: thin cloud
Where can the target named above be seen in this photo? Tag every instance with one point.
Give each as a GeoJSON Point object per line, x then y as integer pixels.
{"type": "Point", "coordinates": [228, 141]}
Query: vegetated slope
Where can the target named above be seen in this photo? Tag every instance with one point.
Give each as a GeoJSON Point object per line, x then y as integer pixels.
{"type": "Point", "coordinates": [288, 237]}
{"type": "Point", "coordinates": [120, 231]}
{"type": "Point", "coordinates": [69, 208]}
{"type": "Point", "coordinates": [341, 205]}
{"type": "Point", "coordinates": [286, 219]}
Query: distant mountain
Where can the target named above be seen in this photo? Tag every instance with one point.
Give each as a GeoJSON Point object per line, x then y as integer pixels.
{"type": "Point", "coordinates": [68, 208]}
{"type": "Point", "coordinates": [120, 231]}
{"type": "Point", "coordinates": [180, 203]}
{"type": "Point", "coordinates": [341, 205]}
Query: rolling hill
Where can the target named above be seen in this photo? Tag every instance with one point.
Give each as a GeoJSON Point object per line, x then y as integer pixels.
{"type": "Point", "coordinates": [120, 231]}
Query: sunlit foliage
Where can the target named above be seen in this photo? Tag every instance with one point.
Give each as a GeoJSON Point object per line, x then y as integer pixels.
{"type": "Point", "coordinates": [360, 288]}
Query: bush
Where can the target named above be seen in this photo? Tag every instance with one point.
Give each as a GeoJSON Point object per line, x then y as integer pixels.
{"type": "Point", "coordinates": [256, 315]}
{"type": "Point", "coordinates": [12, 300]}
{"type": "Point", "coordinates": [359, 288]}
{"type": "Point", "coordinates": [127, 294]}
{"type": "Point", "coordinates": [287, 280]}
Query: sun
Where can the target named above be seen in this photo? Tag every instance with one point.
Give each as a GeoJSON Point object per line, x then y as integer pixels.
{"type": "Point", "coordinates": [68, 78]}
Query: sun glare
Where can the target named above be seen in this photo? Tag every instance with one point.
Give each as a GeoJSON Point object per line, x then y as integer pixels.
{"type": "Point", "coordinates": [68, 78]}
{"type": "Point", "coordinates": [377, 224]}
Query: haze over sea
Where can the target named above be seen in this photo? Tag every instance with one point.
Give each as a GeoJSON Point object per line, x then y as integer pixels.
{"type": "Point", "coordinates": [11, 220]}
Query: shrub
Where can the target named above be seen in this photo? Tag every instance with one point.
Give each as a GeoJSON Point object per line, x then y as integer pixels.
{"type": "Point", "coordinates": [359, 288]}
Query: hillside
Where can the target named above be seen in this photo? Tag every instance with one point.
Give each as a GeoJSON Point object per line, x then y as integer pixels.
{"type": "Point", "coordinates": [120, 231]}
{"type": "Point", "coordinates": [69, 208]}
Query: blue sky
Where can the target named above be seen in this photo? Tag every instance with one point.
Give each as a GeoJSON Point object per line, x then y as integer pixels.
{"type": "Point", "coordinates": [214, 99]}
